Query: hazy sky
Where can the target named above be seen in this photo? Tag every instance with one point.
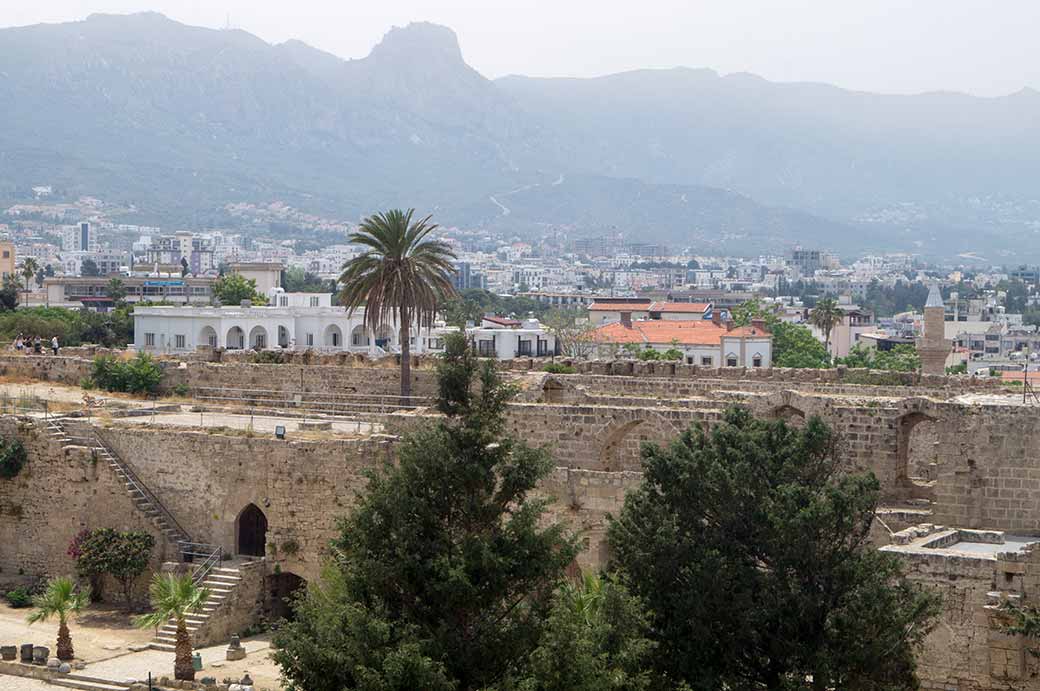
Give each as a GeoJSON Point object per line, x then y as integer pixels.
{"type": "Point", "coordinates": [985, 47]}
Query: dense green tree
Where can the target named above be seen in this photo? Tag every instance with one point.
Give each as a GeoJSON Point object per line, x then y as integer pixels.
{"type": "Point", "coordinates": [402, 276]}
{"type": "Point", "coordinates": [596, 639]}
{"type": "Point", "coordinates": [443, 573]}
{"type": "Point", "coordinates": [116, 290]}
{"type": "Point", "coordinates": [474, 303]}
{"type": "Point", "coordinates": [89, 268]}
{"type": "Point", "coordinates": [8, 295]}
{"type": "Point", "coordinates": [901, 358]}
{"type": "Point", "coordinates": [232, 289]}
{"type": "Point", "coordinates": [296, 280]}
{"type": "Point", "coordinates": [749, 545]}
{"type": "Point", "coordinates": [795, 346]}
{"type": "Point", "coordinates": [122, 555]}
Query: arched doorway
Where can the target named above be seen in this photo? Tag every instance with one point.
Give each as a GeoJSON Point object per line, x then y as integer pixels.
{"type": "Point", "coordinates": [258, 338]}
{"type": "Point", "coordinates": [251, 532]}
{"type": "Point", "coordinates": [917, 456]}
{"type": "Point", "coordinates": [333, 336]}
{"type": "Point", "coordinates": [281, 591]}
{"type": "Point", "coordinates": [208, 337]}
{"type": "Point", "coordinates": [359, 336]}
{"type": "Point", "coordinates": [236, 338]}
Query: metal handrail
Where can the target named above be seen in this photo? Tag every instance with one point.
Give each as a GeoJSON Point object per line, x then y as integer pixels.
{"type": "Point", "coordinates": [214, 555]}
{"type": "Point", "coordinates": [131, 476]}
{"type": "Point", "coordinates": [140, 487]}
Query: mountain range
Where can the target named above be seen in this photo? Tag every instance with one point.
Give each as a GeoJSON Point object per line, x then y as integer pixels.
{"type": "Point", "coordinates": [178, 121]}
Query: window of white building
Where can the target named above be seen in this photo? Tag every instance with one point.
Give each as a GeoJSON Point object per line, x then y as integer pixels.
{"type": "Point", "coordinates": [149, 340]}
{"type": "Point", "coordinates": [179, 341]}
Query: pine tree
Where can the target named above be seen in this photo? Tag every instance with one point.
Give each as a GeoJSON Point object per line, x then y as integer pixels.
{"type": "Point", "coordinates": [444, 572]}
{"type": "Point", "coordinates": [749, 545]}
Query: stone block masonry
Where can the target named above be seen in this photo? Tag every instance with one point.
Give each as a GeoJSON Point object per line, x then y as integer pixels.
{"type": "Point", "coordinates": [59, 492]}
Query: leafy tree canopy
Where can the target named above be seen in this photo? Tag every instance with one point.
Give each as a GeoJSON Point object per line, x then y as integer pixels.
{"type": "Point", "coordinates": [443, 574]}
{"type": "Point", "coordinates": [901, 358]}
{"type": "Point", "coordinates": [750, 548]}
{"type": "Point", "coordinates": [232, 289]}
{"type": "Point", "coordinates": [795, 346]}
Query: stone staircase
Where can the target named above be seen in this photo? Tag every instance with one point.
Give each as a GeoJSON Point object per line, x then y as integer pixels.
{"type": "Point", "coordinates": [146, 502]}
{"type": "Point", "coordinates": [220, 581]}
{"type": "Point", "coordinates": [210, 571]}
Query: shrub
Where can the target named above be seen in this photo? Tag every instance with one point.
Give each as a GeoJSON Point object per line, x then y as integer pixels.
{"type": "Point", "coordinates": [141, 374]}
{"type": "Point", "coordinates": [269, 357]}
{"type": "Point", "coordinates": [555, 368]}
{"type": "Point", "coordinates": [19, 598]}
{"type": "Point", "coordinates": [122, 555]}
{"type": "Point", "coordinates": [86, 383]}
{"type": "Point", "coordinates": [12, 458]}
{"type": "Point", "coordinates": [181, 390]}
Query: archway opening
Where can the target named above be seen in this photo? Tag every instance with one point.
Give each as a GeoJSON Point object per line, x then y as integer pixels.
{"type": "Point", "coordinates": [208, 336]}
{"type": "Point", "coordinates": [623, 448]}
{"type": "Point", "coordinates": [281, 593]}
{"type": "Point", "coordinates": [333, 336]}
{"type": "Point", "coordinates": [258, 338]}
{"type": "Point", "coordinates": [283, 337]}
{"type": "Point", "coordinates": [789, 414]}
{"type": "Point", "coordinates": [251, 532]}
{"type": "Point", "coordinates": [236, 338]}
{"type": "Point", "coordinates": [917, 455]}
{"type": "Point", "coordinates": [359, 336]}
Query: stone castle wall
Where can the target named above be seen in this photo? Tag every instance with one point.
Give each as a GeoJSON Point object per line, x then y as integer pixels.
{"type": "Point", "coordinates": [58, 493]}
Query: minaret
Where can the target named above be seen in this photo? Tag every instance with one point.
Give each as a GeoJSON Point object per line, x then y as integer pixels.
{"type": "Point", "coordinates": [933, 346]}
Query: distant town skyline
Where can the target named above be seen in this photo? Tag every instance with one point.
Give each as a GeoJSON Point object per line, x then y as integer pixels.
{"type": "Point", "coordinates": [888, 46]}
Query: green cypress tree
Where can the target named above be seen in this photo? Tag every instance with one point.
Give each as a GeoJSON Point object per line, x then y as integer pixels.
{"type": "Point", "coordinates": [443, 574]}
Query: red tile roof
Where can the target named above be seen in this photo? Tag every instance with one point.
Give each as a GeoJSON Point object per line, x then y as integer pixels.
{"type": "Point", "coordinates": [683, 331]}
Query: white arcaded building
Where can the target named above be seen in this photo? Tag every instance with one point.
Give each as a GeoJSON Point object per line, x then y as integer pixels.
{"type": "Point", "coordinates": [294, 321]}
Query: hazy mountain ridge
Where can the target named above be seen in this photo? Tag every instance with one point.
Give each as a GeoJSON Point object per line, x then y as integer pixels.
{"type": "Point", "coordinates": [178, 119]}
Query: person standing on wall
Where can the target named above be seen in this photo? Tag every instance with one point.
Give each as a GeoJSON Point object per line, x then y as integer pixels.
{"type": "Point", "coordinates": [54, 344]}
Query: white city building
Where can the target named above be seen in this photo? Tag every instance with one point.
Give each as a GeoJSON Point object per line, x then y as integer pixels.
{"type": "Point", "coordinates": [294, 321]}
{"type": "Point", "coordinates": [498, 337]}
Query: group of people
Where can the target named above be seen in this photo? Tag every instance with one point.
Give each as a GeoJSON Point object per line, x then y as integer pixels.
{"type": "Point", "coordinates": [34, 344]}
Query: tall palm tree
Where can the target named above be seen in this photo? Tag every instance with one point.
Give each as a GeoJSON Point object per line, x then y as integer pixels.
{"type": "Point", "coordinates": [402, 274]}
{"type": "Point", "coordinates": [825, 316]}
{"type": "Point", "coordinates": [175, 597]}
{"type": "Point", "coordinates": [60, 599]}
{"type": "Point", "coordinates": [29, 269]}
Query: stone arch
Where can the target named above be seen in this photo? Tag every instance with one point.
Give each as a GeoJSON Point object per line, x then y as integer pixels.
{"type": "Point", "coordinates": [208, 337]}
{"type": "Point", "coordinates": [333, 337]}
{"type": "Point", "coordinates": [794, 417]}
{"type": "Point", "coordinates": [236, 338]}
{"type": "Point", "coordinates": [916, 446]}
{"type": "Point", "coordinates": [251, 532]}
{"type": "Point", "coordinates": [359, 336]}
{"type": "Point", "coordinates": [258, 338]}
{"type": "Point", "coordinates": [625, 435]}
{"type": "Point", "coordinates": [281, 588]}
